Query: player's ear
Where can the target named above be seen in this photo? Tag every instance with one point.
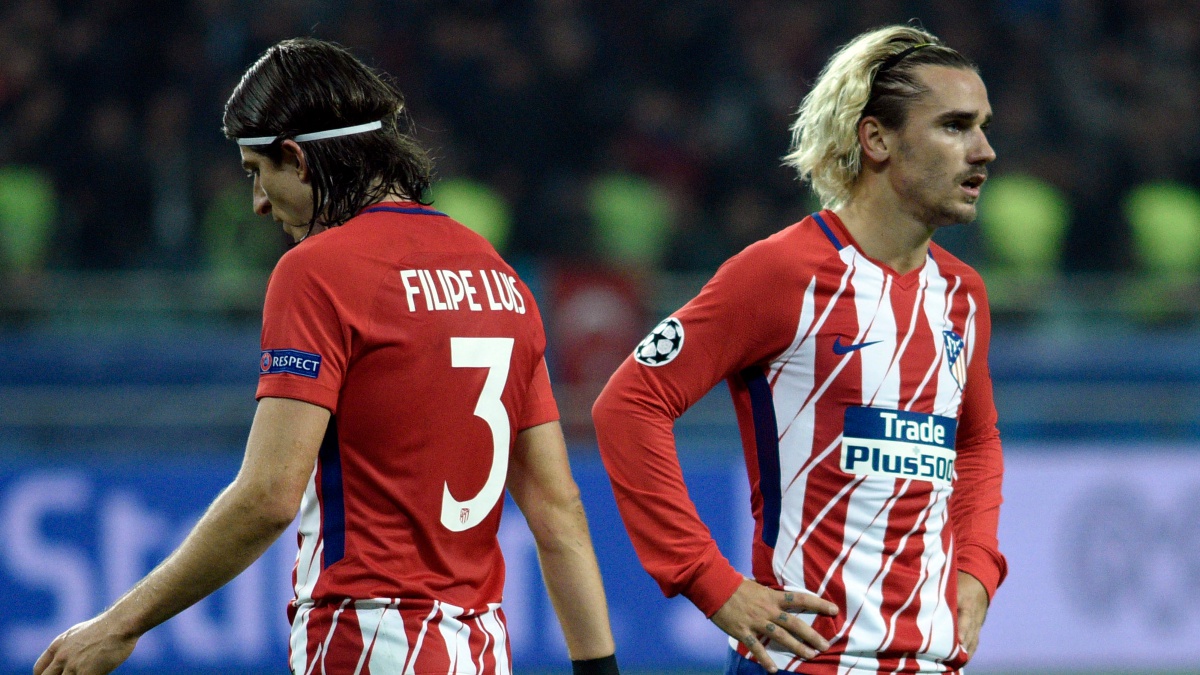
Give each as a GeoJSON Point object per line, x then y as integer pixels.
{"type": "Point", "coordinates": [293, 159]}
{"type": "Point", "coordinates": [874, 140]}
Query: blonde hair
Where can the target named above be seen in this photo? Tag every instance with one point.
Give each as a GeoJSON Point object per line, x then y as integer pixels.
{"type": "Point", "coordinates": [871, 75]}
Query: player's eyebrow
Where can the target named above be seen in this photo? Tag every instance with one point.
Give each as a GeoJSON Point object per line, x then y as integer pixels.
{"type": "Point", "coordinates": [966, 116]}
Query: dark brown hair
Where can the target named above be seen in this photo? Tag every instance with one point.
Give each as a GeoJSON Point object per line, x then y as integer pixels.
{"type": "Point", "coordinates": [305, 85]}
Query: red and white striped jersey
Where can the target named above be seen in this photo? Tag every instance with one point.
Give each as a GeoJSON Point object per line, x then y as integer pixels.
{"type": "Point", "coordinates": [864, 402]}
{"type": "Point", "coordinates": [428, 350]}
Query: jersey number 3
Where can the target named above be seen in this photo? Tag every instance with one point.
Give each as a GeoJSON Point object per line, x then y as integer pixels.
{"type": "Point", "coordinates": [495, 354]}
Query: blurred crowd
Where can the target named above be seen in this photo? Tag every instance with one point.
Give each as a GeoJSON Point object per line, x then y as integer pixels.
{"type": "Point", "coordinates": [637, 131]}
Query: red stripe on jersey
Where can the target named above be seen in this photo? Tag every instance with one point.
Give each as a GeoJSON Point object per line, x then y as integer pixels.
{"type": "Point", "coordinates": [833, 574]}
{"type": "Point", "coordinates": [919, 349]}
{"type": "Point", "coordinates": [901, 586]}
{"type": "Point", "coordinates": [958, 315]}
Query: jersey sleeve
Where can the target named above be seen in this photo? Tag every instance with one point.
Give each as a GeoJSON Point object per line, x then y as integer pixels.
{"type": "Point", "coordinates": [975, 503]}
{"type": "Point", "coordinates": [305, 345]}
{"type": "Point", "coordinates": [540, 406]}
{"type": "Point", "coordinates": [731, 324]}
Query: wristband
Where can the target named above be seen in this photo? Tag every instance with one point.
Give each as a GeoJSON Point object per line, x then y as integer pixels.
{"type": "Point", "coordinates": [605, 665]}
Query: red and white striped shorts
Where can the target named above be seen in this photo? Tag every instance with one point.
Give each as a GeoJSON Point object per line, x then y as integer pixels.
{"type": "Point", "coordinates": [398, 637]}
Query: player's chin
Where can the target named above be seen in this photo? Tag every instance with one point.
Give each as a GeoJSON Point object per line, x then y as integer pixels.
{"type": "Point", "coordinates": [962, 213]}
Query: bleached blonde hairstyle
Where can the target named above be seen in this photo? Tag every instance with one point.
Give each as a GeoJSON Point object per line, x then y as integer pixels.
{"type": "Point", "coordinates": [872, 75]}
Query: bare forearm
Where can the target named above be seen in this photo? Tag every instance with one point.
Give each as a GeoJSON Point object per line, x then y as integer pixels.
{"type": "Point", "coordinates": [539, 479]}
{"type": "Point", "coordinates": [241, 523]}
{"type": "Point", "coordinates": [572, 578]}
{"type": "Point", "coordinates": [231, 535]}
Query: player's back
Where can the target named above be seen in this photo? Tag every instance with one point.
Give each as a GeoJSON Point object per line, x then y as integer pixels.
{"type": "Point", "coordinates": [429, 345]}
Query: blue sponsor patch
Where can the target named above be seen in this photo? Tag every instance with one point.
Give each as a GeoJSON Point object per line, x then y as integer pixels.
{"type": "Point", "coordinates": [292, 361]}
{"type": "Point", "coordinates": [901, 426]}
{"type": "Point", "coordinates": [899, 444]}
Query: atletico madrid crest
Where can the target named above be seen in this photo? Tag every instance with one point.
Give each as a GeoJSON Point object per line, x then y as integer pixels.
{"type": "Point", "coordinates": [954, 361]}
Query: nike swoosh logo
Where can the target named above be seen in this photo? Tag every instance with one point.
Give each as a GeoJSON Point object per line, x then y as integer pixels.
{"type": "Point", "coordinates": [841, 349]}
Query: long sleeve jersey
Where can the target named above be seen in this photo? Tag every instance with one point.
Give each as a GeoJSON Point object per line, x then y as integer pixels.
{"type": "Point", "coordinates": [868, 427]}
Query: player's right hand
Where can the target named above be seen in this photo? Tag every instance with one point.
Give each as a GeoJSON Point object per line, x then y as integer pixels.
{"type": "Point", "coordinates": [755, 611]}
{"type": "Point", "coordinates": [87, 648]}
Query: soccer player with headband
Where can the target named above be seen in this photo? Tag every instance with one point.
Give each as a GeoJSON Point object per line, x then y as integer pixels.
{"type": "Point", "coordinates": [402, 389]}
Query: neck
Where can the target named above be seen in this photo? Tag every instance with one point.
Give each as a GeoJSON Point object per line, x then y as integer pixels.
{"type": "Point", "coordinates": [885, 231]}
{"type": "Point", "coordinates": [392, 196]}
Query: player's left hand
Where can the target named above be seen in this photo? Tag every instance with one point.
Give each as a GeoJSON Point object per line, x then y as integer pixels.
{"type": "Point", "coordinates": [972, 609]}
{"type": "Point", "coordinates": [88, 648]}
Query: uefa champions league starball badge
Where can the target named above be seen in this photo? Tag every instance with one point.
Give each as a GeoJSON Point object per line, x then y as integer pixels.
{"type": "Point", "coordinates": [662, 345]}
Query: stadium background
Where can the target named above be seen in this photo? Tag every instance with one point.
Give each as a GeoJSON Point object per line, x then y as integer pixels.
{"type": "Point", "coordinates": [617, 152]}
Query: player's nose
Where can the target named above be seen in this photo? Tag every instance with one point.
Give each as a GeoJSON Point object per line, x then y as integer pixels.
{"type": "Point", "coordinates": [981, 150]}
{"type": "Point", "coordinates": [262, 205]}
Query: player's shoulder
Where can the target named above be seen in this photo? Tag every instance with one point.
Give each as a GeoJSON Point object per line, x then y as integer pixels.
{"type": "Point", "coordinates": [386, 232]}
{"type": "Point", "coordinates": [951, 265]}
{"type": "Point", "coordinates": [795, 250]}
{"type": "Point", "coordinates": [310, 255]}
{"type": "Point", "coordinates": [417, 228]}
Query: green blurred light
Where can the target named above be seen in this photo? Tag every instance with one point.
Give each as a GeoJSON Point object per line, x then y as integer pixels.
{"type": "Point", "coordinates": [28, 207]}
{"type": "Point", "coordinates": [633, 218]}
{"type": "Point", "coordinates": [1164, 217]}
{"type": "Point", "coordinates": [238, 244]}
{"type": "Point", "coordinates": [476, 205]}
{"type": "Point", "coordinates": [1024, 221]}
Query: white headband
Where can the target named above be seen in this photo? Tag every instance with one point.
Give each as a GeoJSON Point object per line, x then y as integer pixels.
{"type": "Point", "coordinates": [316, 135]}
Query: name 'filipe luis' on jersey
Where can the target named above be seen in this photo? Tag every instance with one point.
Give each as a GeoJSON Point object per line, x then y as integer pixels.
{"type": "Point", "coordinates": [474, 290]}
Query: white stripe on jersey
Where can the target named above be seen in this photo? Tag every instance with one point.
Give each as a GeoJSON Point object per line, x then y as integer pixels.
{"type": "Point", "coordinates": [385, 642]}
{"type": "Point", "coordinates": [308, 558]}
{"type": "Point", "coordinates": [787, 394]}
{"type": "Point", "coordinates": [862, 550]}
{"type": "Point", "coordinates": [812, 527]}
{"type": "Point", "coordinates": [392, 654]}
{"type": "Point", "coordinates": [969, 331]}
{"type": "Point", "coordinates": [941, 637]}
{"type": "Point", "coordinates": [872, 302]}
{"type": "Point", "coordinates": [298, 641]}
{"type": "Point", "coordinates": [804, 397]}
{"type": "Point", "coordinates": [487, 641]}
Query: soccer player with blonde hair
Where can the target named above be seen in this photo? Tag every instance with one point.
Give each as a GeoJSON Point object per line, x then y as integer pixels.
{"type": "Point", "coordinates": [855, 350]}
